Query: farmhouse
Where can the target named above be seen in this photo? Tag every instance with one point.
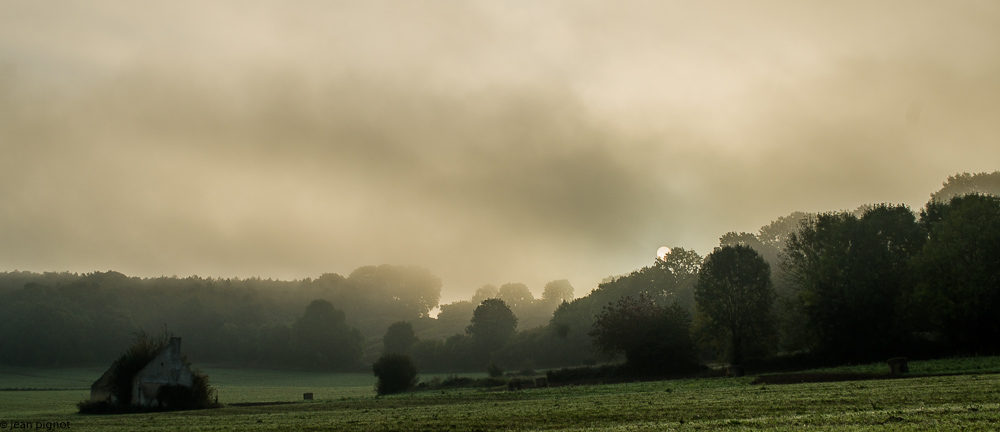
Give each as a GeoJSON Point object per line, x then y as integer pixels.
{"type": "Point", "coordinates": [167, 368]}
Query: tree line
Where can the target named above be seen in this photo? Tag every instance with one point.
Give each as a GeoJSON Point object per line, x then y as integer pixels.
{"type": "Point", "coordinates": [860, 285]}
{"type": "Point", "coordinates": [846, 286]}
{"type": "Point", "coordinates": [60, 319]}
{"type": "Point", "coordinates": [329, 323]}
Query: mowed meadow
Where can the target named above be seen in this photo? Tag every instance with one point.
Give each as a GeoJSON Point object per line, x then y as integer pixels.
{"type": "Point", "coordinates": [960, 394]}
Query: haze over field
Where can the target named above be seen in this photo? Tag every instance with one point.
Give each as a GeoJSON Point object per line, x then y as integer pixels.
{"type": "Point", "coordinates": [490, 142]}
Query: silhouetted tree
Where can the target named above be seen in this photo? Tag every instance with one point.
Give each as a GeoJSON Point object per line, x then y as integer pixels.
{"type": "Point", "coordinates": [675, 275]}
{"type": "Point", "coordinates": [399, 337]}
{"type": "Point", "coordinates": [653, 338]}
{"type": "Point", "coordinates": [966, 184]}
{"type": "Point", "coordinates": [735, 294]}
{"type": "Point", "coordinates": [557, 291]}
{"type": "Point", "coordinates": [959, 271]}
{"type": "Point", "coordinates": [770, 243]}
{"type": "Point", "coordinates": [855, 275]}
{"type": "Point", "coordinates": [492, 325]}
{"type": "Point", "coordinates": [454, 317]}
{"type": "Point", "coordinates": [322, 339]}
{"type": "Point", "coordinates": [395, 372]}
{"type": "Point", "coordinates": [515, 295]}
{"type": "Point", "coordinates": [484, 292]}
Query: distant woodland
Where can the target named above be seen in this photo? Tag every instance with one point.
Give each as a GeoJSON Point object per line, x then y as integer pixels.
{"type": "Point", "coordinates": [846, 286]}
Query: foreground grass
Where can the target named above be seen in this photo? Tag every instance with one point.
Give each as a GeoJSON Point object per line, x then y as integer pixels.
{"type": "Point", "coordinates": [965, 402]}
{"type": "Point", "coordinates": [956, 365]}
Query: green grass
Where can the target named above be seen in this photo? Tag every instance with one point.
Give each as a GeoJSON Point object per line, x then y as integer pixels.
{"type": "Point", "coordinates": [69, 378]}
{"type": "Point", "coordinates": [957, 365]}
{"type": "Point", "coordinates": [957, 402]}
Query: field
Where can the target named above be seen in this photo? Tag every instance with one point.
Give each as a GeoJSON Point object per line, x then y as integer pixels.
{"type": "Point", "coordinates": [970, 401]}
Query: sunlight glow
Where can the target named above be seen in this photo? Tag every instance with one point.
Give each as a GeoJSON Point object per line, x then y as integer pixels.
{"type": "Point", "coordinates": [662, 252]}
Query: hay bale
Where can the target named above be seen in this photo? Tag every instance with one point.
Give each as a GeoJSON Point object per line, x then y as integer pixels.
{"type": "Point", "coordinates": [514, 384]}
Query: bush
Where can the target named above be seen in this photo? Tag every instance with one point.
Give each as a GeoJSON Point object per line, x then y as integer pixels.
{"type": "Point", "coordinates": [656, 340]}
{"type": "Point", "coordinates": [198, 396]}
{"type": "Point", "coordinates": [566, 375]}
{"type": "Point", "coordinates": [452, 382]}
{"type": "Point", "coordinates": [494, 371]}
{"type": "Point", "coordinates": [91, 407]}
{"type": "Point", "coordinates": [395, 372]}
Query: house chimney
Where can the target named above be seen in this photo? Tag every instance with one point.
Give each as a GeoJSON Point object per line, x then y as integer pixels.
{"type": "Point", "coordinates": [175, 346]}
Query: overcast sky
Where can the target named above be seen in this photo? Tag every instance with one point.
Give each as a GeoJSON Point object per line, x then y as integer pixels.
{"type": "Point", "coordinates": [489, 141]}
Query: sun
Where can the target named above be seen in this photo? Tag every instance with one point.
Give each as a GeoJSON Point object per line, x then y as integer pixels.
{"type": "Point", "coordinates": [662, 252]}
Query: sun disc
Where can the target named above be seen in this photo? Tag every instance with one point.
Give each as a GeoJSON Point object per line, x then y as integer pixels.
{"type": "Point", "coordinates": [662, 252]}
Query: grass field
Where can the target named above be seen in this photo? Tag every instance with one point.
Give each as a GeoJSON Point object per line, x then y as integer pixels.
{"type": "Point", "coordinates": [346, 402]}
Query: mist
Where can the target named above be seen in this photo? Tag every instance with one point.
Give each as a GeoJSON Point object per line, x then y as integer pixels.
{"type": "Point", "coordinates": [490, 143]}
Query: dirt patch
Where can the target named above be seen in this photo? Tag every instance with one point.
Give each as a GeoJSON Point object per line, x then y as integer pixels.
{"type": "Point", "coordinates": [797, 378]}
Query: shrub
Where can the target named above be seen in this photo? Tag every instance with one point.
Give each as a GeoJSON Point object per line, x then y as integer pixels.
{"type": "Point", "coordinates": [395, 372]}
{"type": "Point", "coordinates": [198, 396]}
{"type": "Point", "coordinates": [565, 375]}
{"type": "Point", "coordinates": [655, 339]}
{"type": "Point", "coordinates": [494, 371]}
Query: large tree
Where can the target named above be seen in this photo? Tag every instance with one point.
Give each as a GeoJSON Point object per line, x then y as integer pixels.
{"type": "Point", "coordinates": [854, 277]}
{"type": "Point", "coordinates": [515, 295]}
{"type": "Point", "coordinates": [675, 276]}
{"type": "Point", "coordinates": [484, 292]}
{"type": "Point", "coordinates": [557, 291]}
{"type": "Point", "coordinates": [321, 339]}
{"type": "Point", "coordinates": [735, 294]}
{"type": "Point", "coordinates": [966, 184]}
{"type": "Point", "coordinates": [399, 337]}
{"type": "Point", "coordinates": [492, 325]}
{"type": "Point", "coordinates": [959, 271]}
{"type": "Point", "coordinates": [654, 338]}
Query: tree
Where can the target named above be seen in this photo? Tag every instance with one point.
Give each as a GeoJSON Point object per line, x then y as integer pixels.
{"type": "Point", "coordinates": [789, 312]}
{"type": "Point", "coordinates": [322, 339]}
{"type": "Point", "coordinates": [966, 184]}
{"type": "Point", "coordinates": [399, 337]}
{"type": "Point", "coordinates": [396, 290]}
{"type": "Point", "coordinates": [667, 281]}
{"type": "Point", "coordinates": [396, 373]}
{"type": "Point", "coordinates": [515, 295]}
{"type": "Point", "coordinates": [670, 279]}
{"type": "Point", "coordinates": [493, 323]}
{"type": "Point", "coordinates": [959, 274]}
{"type": "Point", "coordinates": [454, 317]}
{"type": "Point", "coordinates": [674, 276]}
{"type": "Point", "coordinates": [557, 291]}
{"type": "Point", "coordinates": [654, 339]}
{"type": "Point", "coordinates": [735, 293]}
{"type": "Point", "coordinates": [854, 277]}
{"type": "Point", "coordinates": [484, 292]}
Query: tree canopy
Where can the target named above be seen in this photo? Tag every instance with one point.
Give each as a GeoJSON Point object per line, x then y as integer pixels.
{"type": "Point", "coordinates": [557, 291]}
{"type": "Point", "coordinates": [959, 271]}
{"type": "Point", "coordinates": [399, 337]}
{"type": "Point", "coordinates": [653, 338]}
{"type": "Point", "coordinates": [735, 293]}
{"type": "Point", "coordinates": [321, 339]}
{"type": "Point", "coordinates": [493, 323]}
{"type": "Point", "coordinates": [854, 275]}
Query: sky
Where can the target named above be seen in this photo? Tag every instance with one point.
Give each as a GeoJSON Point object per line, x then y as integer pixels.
{"type": "Point", "coordinates": [490, 142]}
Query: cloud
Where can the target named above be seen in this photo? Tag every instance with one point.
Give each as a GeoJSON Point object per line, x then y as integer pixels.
{"type": "Point", "coordinates": [489, 142]}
